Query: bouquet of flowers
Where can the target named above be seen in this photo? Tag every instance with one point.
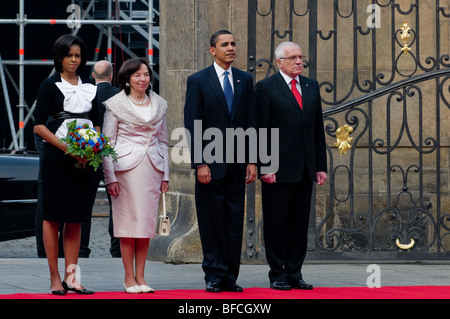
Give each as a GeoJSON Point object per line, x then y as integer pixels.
{"type": "Point", "coordinates": [87, 143]}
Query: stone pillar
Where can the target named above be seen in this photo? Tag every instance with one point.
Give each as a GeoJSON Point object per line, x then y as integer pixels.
{"type": "Point", "coordinates": [185, 29]}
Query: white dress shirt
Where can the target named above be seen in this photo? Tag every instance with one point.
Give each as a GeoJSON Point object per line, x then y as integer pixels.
{"type": "Point", "coordinates": [288, 80]}
{"type": "Point", "coordinates": [221, 74]}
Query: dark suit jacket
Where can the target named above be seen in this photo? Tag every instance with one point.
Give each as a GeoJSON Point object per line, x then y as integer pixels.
{"type": "Point", "coordinates": [301, 132]}
{"type": "Point", "coordinates": [104, 91]}
{"type": "Point", "coordinates": [205, 101]}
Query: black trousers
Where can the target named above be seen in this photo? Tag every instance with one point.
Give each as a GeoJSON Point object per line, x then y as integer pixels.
{"type": "Point", "coordinates": [220, 215]}
{"type": "Point", "coordinates": [286, 209]}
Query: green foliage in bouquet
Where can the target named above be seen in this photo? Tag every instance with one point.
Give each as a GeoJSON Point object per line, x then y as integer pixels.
{"type": "Point", "coordinates": [86, 142]}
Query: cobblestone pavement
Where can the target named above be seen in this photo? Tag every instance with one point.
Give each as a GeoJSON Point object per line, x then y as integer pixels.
{"type": "Point", "coordinates": [26, 247]}
{"type": "Point", "coordinates": [22, 271]}
{"type": "Point", "coordinates": [21, 254]}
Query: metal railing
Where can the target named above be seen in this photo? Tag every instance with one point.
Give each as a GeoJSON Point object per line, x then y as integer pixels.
{"type": "Point", "coordinates": [386, 185]}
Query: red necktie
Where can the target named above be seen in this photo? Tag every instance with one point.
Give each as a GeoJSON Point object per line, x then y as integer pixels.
{"type": "Point", "coordinates": [296, 93]}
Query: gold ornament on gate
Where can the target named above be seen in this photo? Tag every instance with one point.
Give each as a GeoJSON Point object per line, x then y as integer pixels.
{"type": "Point", "coordinates": [405, 35]}
{"type": "Point", "coordinates": [403, 246]}
{"type": "Point", "coordinates": [343, 139]}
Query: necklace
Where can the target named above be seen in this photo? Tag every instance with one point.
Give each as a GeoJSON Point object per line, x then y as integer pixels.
{"type": "Point", "coordinates": [139, 103]}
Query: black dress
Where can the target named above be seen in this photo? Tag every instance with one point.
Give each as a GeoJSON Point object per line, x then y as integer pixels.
{"type": "Point", "coordinates": [66, 190]}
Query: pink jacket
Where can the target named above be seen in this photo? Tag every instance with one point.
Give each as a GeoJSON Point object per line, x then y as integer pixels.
{"type": "Point", "coordinates": [133, 138]}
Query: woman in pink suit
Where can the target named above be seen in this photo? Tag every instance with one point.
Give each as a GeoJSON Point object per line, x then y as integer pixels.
{"type": "Point", "coordinates": [135, 121]}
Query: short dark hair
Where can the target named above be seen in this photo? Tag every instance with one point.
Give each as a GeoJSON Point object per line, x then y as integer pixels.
{"type": "Point", "coordinates": [127, 69]}
{"type": "Point", "coordinates": [215, 37]}
{"type": "Point", "coordinates": [62, 47]}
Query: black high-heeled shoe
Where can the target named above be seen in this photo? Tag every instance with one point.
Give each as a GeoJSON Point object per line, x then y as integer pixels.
{"type": "Point", "coordinates": [58, 292]}
{"type": "Point", "coordinates": [78, 291]}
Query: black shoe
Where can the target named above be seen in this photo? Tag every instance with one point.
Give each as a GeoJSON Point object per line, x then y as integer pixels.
{"type": "Point", "coordinates": [300, 284]}
{"type": "Point", "coordinates": [233, 287]}
{"type": "Point", "coordinates": [213, 287]}
{"type": "Point", "coordinates": [78, 291]}
{"type": "Point", "coordinates": [280, 285]}
{"type": "Point", "coordinates": [58, 292]}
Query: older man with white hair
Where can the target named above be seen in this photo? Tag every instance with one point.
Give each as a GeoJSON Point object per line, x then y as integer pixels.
{"type": "Point", "coordinates": [290, 102]}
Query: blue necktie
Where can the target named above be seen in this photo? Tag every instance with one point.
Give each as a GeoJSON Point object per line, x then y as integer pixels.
{"type": "Point", "coordinates": [228, 91]}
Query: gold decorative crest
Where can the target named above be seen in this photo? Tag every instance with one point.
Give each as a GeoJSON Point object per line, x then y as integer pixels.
{"type": "Point", "coordinates": [405, 34]}
{"type": "Point", "coordinates": [343, 139]}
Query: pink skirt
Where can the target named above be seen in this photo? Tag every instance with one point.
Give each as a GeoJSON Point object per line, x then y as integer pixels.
{"type": "Point", "coordinates": [135, 209]}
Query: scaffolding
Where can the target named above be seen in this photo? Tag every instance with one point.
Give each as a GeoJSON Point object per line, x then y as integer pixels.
{"type": "Point", "coordinates": [83, 12]}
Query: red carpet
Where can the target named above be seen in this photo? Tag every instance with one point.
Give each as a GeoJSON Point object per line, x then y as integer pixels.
{"type": "Point", "coordinates": [414, 292]}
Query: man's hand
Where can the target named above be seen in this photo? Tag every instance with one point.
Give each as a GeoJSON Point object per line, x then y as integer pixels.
{"type": "Point", "coordinates": [321, 177]}
{"type": "Point", "coordinates": [251, 173]}
{"type": "Point", "coordinates": [269, 178]}
{"type": "Point", "coordinates": [204, 174]}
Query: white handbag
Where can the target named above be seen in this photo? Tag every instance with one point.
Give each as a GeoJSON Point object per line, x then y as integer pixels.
{"type": "Point", "coordinates": [164, 220]}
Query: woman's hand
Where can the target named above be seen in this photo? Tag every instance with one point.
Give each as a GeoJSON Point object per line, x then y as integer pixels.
{"type": "Point", "coordinates": [113, 189]}
{"type": "Point", "coordinates": [79, 159]}
{"type": "Point", "coordinates": [164, 186]}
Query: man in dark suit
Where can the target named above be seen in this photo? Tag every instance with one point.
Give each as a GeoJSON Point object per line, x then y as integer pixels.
{"type": "Point", "coordinates": [294, 108]}
{"type": "Point", "coordinates": [220, 180]}
{"type": "Point", "coordinates": [103, 75]}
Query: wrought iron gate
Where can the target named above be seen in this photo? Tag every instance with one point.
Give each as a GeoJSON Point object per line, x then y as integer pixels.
{"type": "Point", "coordinates": [386, 112]}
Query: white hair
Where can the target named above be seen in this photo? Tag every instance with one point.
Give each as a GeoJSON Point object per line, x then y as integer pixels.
{"type": "Point", "coordinates": [279, 51]}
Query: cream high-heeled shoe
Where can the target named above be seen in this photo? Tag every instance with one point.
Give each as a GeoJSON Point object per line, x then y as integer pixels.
{"type": "Point", "coordinates": [146, 288]}
{"type": "Point", "coordinates": [136, 289]}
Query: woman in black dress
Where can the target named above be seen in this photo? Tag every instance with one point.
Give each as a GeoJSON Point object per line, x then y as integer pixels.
{"type": "Point", "coordinates": [62, 98]}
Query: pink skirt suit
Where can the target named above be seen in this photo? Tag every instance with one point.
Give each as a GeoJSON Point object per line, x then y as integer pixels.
{"type": "Point", "coordinates": [139, 137]}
